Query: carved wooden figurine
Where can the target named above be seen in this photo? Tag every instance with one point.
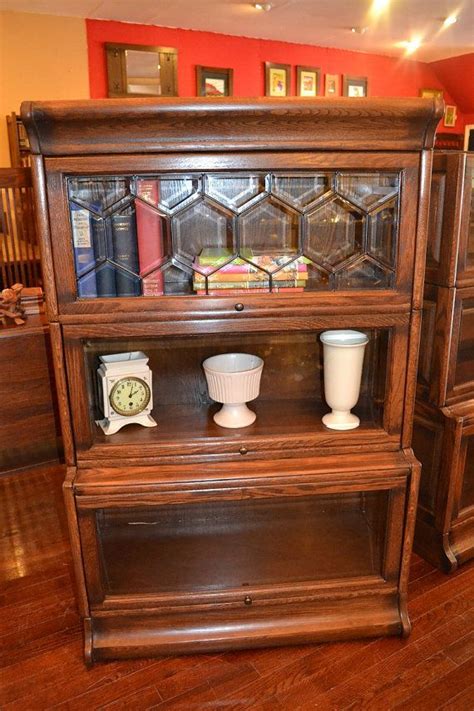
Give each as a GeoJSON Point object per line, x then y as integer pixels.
{"type": "Point", "coordinates": [10, 305]}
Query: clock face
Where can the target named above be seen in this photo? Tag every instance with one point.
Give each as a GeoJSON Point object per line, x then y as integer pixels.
{"type": "Point", "coordinates": [129, 396]}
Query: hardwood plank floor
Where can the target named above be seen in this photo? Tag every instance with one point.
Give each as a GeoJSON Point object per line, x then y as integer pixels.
{"type": "Point", "coordinates": [41, 640]}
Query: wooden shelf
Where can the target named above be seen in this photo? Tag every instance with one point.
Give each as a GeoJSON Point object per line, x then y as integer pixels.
{"type": "Point", "coordinates": [280, 424]}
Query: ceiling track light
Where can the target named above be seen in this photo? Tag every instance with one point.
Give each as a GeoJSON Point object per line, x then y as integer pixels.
{"type": "Point", "coordinates": [265, 6]}
{"type": "Point", "coordinates": [359, 30]}
{"type": "Point", "coordinates": [450, 20]}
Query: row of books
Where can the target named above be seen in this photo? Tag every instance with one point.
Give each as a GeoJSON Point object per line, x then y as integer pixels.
{"type": "Point", "coordinates": [131, 238]}
{"type": "Point", "coordinates": [252, 272]}
{"type": "Point", "coordinates": [111, 254]}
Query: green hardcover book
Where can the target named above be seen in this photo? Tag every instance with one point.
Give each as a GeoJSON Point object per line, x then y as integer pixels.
{"type": "Point", "coordinates": [215, 256]}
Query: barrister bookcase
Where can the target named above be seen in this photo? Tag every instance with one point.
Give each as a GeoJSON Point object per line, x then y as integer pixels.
{"type": "Point", "coordinates": [188, 536]}
{"type": "Point", "coordinates": [444, 418]}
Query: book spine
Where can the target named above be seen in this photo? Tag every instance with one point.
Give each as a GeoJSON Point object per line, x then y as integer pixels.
{"type": "Point", "coordinates": [250, 284]}
{"type": "Point", "coordinates": [150, 238]}
{"type": "Point", "coordinates": [225, 278]}
{"type": "Point", "coordinates": [102, 241]}
{"type": "Point", "coordinates": [245, 269]}
{"type": "Point", "coordinates": [240, 292]}
{"type": "Point", "coordinates": [125, 250]}
{"type": "Point", "coordinates": [84, 257]}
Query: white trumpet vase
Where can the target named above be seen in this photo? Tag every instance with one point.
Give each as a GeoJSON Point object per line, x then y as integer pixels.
{"type": "Point", "coordinates": [343, 352]}
{"type": "Point", "coordinates": [233, 379]}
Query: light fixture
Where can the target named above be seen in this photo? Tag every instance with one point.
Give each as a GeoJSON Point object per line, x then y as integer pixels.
{"type": "Point", "coordinates": [359, 30]}
{"type": "Point", "coordinates": [265, 6]}
{"type": "Point", "coordinates": [378, 7]}
{"type": "Point", "coordinates": [410, 46]}
{"type": "Point", "coordinates": [450, 20]}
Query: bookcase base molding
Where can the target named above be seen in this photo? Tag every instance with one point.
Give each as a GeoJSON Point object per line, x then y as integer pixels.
{"type": "Point", "coordinates": [126, 636]}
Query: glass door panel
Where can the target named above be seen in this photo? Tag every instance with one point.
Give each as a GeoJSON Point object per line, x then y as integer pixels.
{"type": "Point", "coordinates": [226, 234]}
{"type": "Point", "coordinates": [220, 545]}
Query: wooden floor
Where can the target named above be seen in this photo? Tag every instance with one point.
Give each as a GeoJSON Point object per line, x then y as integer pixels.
{"type": "Point", "coordinates": [41, 644]}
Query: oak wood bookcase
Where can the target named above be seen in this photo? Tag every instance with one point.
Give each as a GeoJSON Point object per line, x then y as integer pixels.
{"type": "Point", "coordinates": [188, 536]}
{"type": "Point", "coordinates": [444, 416]}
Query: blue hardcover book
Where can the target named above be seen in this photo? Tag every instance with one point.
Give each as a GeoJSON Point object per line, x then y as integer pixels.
{"type": "Point", "coordinates": [84, 256]}
{"type": "Point", "coordinates": [124, 233]}
{"type": "Point", "coordinates": [103, 250]}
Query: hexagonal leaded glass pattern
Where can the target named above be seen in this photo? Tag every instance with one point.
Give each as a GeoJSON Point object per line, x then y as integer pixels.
{"type": "Point", "coordinates": [300, 191]}
{"type": "Point", "coordinates": [270, 227]}
{"type": "Point", "coordinates": [367, 190]}
{"type": "Point", "coordinates": [334, 233]}
{"type": "Point", "coordinates": [234, 191]}
{"type": "Point", "coordinates": [201, 226]}
{"type": "Point", "coordinates": [229, 233]}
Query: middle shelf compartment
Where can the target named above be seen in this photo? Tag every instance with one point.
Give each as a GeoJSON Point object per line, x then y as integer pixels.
{"type": "Point", "coordinates": [289, 408]}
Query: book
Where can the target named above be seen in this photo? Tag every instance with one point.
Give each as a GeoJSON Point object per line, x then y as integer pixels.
{"type": "Point", "coordinates": [103, 249]}
{"type": "Point", "coordinates": [215, 256]}
{"type": "Point", "coordinates": [246, 268]}
{"type": "Point", "coordinates": [220, 278]}
{"type": "Point", "coordinates": [241, 292]}
{"type": "Point", "coordinates": [250, 284]}
{"type": "Point", "coordinates": [125, 248]}
{"type": "Point", "coordinates": [84, 256]}
{"type": "Point", "coordinates": [151, 251]}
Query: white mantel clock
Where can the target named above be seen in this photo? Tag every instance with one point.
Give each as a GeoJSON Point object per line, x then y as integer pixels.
{"type": "Point", "coordinates": [125, 391]}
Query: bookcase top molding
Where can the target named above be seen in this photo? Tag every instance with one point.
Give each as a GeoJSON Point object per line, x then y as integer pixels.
{"type": "Point", "coordinates": [115, 126]}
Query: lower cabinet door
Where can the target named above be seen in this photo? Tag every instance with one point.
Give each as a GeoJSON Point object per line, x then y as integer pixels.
{"type": "Point", "coordinates": [221, 543]}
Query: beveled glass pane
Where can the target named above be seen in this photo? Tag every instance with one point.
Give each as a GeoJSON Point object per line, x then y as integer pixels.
{"type": "Point", "coordinates": [233, 191]}
{"type": "Point", "coordinates": [270, 229]}
{"type": "Point", "coordinates": [368, 190]}
{"type": "Point", "coordinates": [98, 193]}
{"type": "Point", "coordinates": [469, 181]}
{"type": "Point", "coordinates": [143, 72]}
{"type": "Point", "coordinates": [199, 227]}
{"type": "Point", "coordinates": [301, 190]}
{"type": "Point", "coordinates": [168, 193]}
{"type": "Point", "coordinates": [363, 274]}
{"type": "Point", "coordinates": [465, 355]}
{"type": "Point", "coordinates": [318, 278]}
{"type": "Point", "coordinates": [177, 279]}
{"type": "Point", "coordinates": [222, 545]}
{"type": "Point", "coordinates": [467, 495]}
{"type": "Point", "coordinates": [334, 233]}
{"type": "Point", "coordinates": [383, 234]}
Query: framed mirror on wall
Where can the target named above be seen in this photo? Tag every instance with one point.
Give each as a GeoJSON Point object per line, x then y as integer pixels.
{"type": "Point", "coordinates": [141, 70]}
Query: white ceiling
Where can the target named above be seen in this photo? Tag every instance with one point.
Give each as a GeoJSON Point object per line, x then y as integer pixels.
{"type": "Point", "coordinates": [304, 21]}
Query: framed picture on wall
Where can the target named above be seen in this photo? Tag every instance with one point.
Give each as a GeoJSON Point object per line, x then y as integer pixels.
{"type": "Point", "coordinates": [277, 79]}
{"type": "Point", "coordinates": [141, 70]}
{"type": "Point", "coordinates": [449, 116]}
{"type": "Point", "coordinates": [431, 93]}
{"type": "Point", "coordinates": [307, 81]}
{"type": "Point", "coordinates": [214, 81]}
{"type": "Point", "coordinates": [332, 85]}
{"type": "Point", "coordinates": [354, 86]}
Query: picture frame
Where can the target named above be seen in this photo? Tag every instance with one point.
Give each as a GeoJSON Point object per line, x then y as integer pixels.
{"type": "Point", "coordinates": [332, 85]}
{"type": "Point", "coordinates": [214, 81]}
{"type": "Point", "coordinates": [431, 93]}
{"type": "Point", "coordinates": [277, 79]}
{"type": "Point", "coordinates": [308, 80]}
{"type": "Point", "coordinates": [355, 86]}
{"type": "Point", "coordinates": [450, 116]}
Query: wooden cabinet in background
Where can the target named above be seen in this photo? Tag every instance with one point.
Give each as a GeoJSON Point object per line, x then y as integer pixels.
{"type": "Point", "coordinates": [188, 536]}
{"type": "Point", "coordinates": [445, 392]}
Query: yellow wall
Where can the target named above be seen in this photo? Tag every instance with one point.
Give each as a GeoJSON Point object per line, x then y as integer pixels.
{"type": "Point", "coordinates": [41, 57]}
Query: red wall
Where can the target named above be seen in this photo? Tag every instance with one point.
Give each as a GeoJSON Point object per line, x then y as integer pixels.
{"type": "Point", "coordinates": [457, 76]}
{"type": "Point", "coordinates": [387, 76]}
